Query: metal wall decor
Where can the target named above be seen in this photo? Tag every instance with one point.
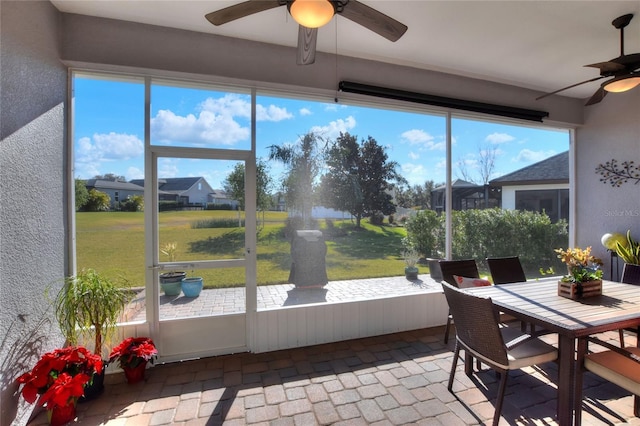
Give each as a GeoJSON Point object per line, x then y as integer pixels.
{"type": "Point", "coordinates": [616, 174]}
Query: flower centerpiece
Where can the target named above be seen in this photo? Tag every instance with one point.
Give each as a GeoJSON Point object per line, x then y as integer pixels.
{"type": "Point", "coordinates": [132, 354]}
{"type": "Point", "coordinates": [58, 379]}
{"type": "Point", "coordinates": [584, 276]}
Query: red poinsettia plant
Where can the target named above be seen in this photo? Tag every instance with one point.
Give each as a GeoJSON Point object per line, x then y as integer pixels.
{"type": "Point", "coordinates": [59, 377]}
{"type": "Point", "coordinates": [132, 351]}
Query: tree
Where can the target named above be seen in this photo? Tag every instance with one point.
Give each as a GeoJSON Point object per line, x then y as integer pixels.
{"type": "Point", "coordinates": [304, 161]}
{"type": "Point", "coordinates": [416, 196]}
{"type": "Point", "coordinates": [98, 201]}
{"type": "Point", "coordinates": [82, 195]}
{"type": "Point", "coordinates": [484, 165]}
{"type": "Point", "coordinates": [359, 177]}
{"type": "Point", "coordinates": [112, 177]}
{"type": "Point", "coordinates": [234, 185]}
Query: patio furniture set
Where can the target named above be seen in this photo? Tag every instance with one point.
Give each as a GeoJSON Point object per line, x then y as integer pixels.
{"type": "Point", "coordinates": [476, 314]}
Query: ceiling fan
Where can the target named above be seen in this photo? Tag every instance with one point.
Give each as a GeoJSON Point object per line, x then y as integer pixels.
{"type": "Point", "coordinates": [625, 69]}
{"type": "Point", "coordinates": [312, 14]}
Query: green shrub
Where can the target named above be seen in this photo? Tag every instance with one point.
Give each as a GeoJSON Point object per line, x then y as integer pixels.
{"type": "Point", "coordinates": [164, 206]}
{"type": "Point", "coordinates": [214, 206]}
{"type": "Point", "coordinates": [216, 223]}
{"type": "Point", "coordinates": [97, 201]}
{"type": "Point", "coordinates": [133, 203]}
{"type": "Point", "coordinates": [478, 234]}
{"type": "Point", "coordinates": [377, 218]}
{"type": "Point", "coordinates": [424, 230]}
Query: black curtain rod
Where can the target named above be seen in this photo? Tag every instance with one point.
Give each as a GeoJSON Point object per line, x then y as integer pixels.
{"type": "Point", "coordinates": [402, 95]}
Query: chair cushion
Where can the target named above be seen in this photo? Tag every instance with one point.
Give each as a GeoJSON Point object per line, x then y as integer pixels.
{"type": "Point", "coordinates": [531, 352]}
{"type": "Point", "coordinates": [464, 282]}
{"type": "Point", "coordinates": [616, 368]}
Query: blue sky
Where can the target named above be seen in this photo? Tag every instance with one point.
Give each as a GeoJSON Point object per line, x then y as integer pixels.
{"type": "Point", "coordinates": [109, 132]}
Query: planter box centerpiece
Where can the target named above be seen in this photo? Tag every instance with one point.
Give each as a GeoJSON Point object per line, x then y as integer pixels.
{"type": "Point", "coordinates": [584, 276]}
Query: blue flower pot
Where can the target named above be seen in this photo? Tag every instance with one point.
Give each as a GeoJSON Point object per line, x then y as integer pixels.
{"type": "Point", "coordinates": [171, 282]}
{"type": "Point", "coordinates": [191, 287]}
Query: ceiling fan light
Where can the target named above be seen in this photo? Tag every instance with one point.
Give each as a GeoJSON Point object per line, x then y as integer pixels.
{"type": "Point", "coordinates": [622, 84]}
{"type": "Point", "coordinates": [312, 13]}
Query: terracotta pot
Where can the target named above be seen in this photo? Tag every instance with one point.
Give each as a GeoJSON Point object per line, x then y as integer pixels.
{"type": "Point", "coordinates": [61, 415]}
{"type": "Point", "coordinates": [135, 374]}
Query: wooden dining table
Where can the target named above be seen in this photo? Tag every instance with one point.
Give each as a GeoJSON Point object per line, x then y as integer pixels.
{"type": "Point", "coordinates": [537, 302]}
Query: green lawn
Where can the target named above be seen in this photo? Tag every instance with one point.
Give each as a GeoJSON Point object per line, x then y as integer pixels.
{"type": "Point", "coordinates": [113, 244]}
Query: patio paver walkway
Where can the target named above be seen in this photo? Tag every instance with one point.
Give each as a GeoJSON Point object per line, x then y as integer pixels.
{"type": "Point", "coordinates": [394, 379]}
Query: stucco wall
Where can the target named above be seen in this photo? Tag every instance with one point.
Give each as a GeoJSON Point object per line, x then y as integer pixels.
{"type": "Point", "coordinates": [32, 195]}
{"type": "Point", "coordinates": [612, 131]}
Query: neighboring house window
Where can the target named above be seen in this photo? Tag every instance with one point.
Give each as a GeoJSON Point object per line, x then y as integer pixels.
{"type": "Point", "coordinates": [554, 202]}
{"type": "Point", "coordinates": [199, 186]}
{"type": "Point", "coordinates": [116, 198]}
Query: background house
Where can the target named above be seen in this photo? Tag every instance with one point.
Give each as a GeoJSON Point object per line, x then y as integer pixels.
{"type": "Point", "coordinates": [542, 186]}
{"type": "Point", "coordinates": [464, 196]}
{"type": "Point", "coordinates": [189, 191]}
{"type": "Point", "coordinates": [117, 191]}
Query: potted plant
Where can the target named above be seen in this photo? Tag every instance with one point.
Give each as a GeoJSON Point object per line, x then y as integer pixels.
{"type": "Point", "coordinates": [89, 306]}
{"type": "Point", "coordinates": [191, 286]}
{"type": "Point", "coordinates": [629, 252]}
{"type": "Point", "coordinates": [132, 354]}
{"type": "Point", "coordinates": [411, 257]}
{"type": "Point", "coordinates": [58, 380]}
{"type": "Point", "coordinates": [171, 281]}
{"type": "Point", "coordinates": [584, 276]}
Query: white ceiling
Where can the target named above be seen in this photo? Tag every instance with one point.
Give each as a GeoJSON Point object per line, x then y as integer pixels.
{"type": "Point", "coordinates": [541, 45]}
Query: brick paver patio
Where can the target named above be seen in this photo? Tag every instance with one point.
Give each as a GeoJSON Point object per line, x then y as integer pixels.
{"type": "Point", "coordinates": [394, 379]}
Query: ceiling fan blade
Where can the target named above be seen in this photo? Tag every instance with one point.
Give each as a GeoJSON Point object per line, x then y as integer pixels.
{"type": "Point", "coordinates": [307, 38]}
{"type": "Point", "coordinates": [569, 87]}
{"type": "Point", "coordinates": [607, 67]}
{"type": "Point", "coordinates": [597, 97]}
{"type": "Point", "coordinates": [241, 10]}
{"type": "Point", "coordinates": [373, 20]}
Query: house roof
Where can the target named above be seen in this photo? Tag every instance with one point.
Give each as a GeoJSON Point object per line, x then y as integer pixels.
{"type": "Point", "coordinates": [111, 184]}
{"type": "Point", "coordinates": [458, 183]}
{"type": "Point", "coordinates": [551, 170]}
{"type": "Point", "coordinates": [172, 184]}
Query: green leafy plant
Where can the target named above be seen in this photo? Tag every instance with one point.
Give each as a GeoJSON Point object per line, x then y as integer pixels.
{"type": "Point", "coordinates": [89, 305]}
{"type": "Point", "coordinates": [411, 257]}
{"type": "Point", "coordinates": [631, 253]}
{"type": "Point", "coordinates": [582, 266]}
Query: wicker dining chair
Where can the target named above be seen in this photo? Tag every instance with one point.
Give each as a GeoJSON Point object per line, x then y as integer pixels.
{"type": "Point", "coordinates": [478, 332]}
{"type": "Point", "coordinates": [464, 268]}
{"type": "Point", "coordinates": [506, 270]}
{"type": "Point", "coordinates": [620, 366]}
{"type": "Point", "coordinates": [630, 275]}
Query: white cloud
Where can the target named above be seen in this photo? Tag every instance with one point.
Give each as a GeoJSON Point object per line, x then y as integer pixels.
{"type": "Point", "coordinates": [134, 173]}
{"type": "Point", "coordinates": [215, 123]}
{"type": "Point", "coordinates": [272, 113]}
{"type": "Point", "coordinates": [425, 140]}
{"type": "Point", "coordinates": [91, 154]}
{"type": "Point", "coordinates": [168, 168]}
{"type": "Point", "coordinates": [529, 156]}
{"type": "Point", "coordinates": [333, 129]}
{"type": "Point", "coordinates": [208, 128]}
{"type": "Point", "coordinates": [416, 136]}
{"type": "Point", "coordinates": [305, 111]}
{"type": "Point", "coordinates": [117, 146]}
{"type": "Point", "coordinates": [413, 155]}
{"type": "Point", "coordinates": [498, 138]}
